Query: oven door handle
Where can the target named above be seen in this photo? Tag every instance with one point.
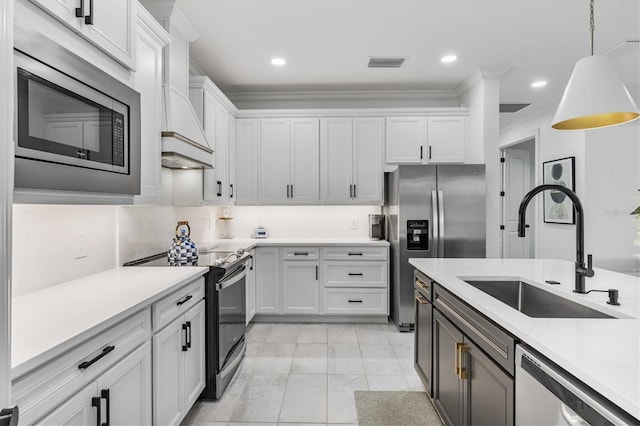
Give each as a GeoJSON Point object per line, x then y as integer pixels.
{"type": "Point", "coordinates": [232, 279]}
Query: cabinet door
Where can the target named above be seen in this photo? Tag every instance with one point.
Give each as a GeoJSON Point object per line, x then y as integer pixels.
{"type": "Point", "coordinates": [194, 357]}
{"type": "Point", "coordinates": [268, 281]}
{"type": "Point", "coordinates": [406, 137]}
{"type": "Point", "coordinates": [231, 165]}
{"type": "Point", "coordinates": [113, 29]}
{"type": "Point", "coordinates": [490, 390]}
{"type": "Point", "coordinates": [168, 378]}
{"type": "Point", "coordinates": [301, 287]}
{"type": "Point", "coordinates": [336, 162]}
{"type": "Point", "coordinates": [447, 138]}
{"type": "Point", "coordinates": [251, 287]}
{"type": "Point", "coordinates": [78, 410]}
{"type": "Point", "coordinates": [129, 386]}
{"type": "Point", "coordinates": [367, 160]}
{"type": "Point", "coordinates": [274, 161]}
{"type": "Point", "coordinates": [448, 390]}
{"type": "Point", "coordinates": [221, 155]}
{"type": "Point", "coordinates": [149, 84]}
{"type": "Point", "coordinates": [305, 161]}
{"type": "Point", "coordinates": [211, 189]}
{"type": "Point", "coordinates": [247, 145]}
{"type": "Point", "coordinates": [423, 344]}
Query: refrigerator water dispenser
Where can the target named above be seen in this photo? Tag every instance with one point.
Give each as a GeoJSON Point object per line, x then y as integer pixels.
{"type": "Point", "coordinates": [417, 235]}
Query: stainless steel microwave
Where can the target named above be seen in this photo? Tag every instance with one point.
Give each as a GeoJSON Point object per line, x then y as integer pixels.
{"type": "Point", "coordinates": [76, 127]}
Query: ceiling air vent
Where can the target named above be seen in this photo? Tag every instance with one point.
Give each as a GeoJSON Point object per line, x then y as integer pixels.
{"type": "Point", "coordinates": [511, 108]}
{"type": "Point", "coordinates": [385, 62]}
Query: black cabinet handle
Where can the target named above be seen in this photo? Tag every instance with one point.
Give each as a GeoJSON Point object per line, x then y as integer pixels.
{"type": "Point", "coordinates": [291, 191]}
{"type": "Point", "coordinates": [316, 272]}
{"type": "Point", "coordinates": [183, 301]}
{"type": "Point", "coordinates": [355, 301]}
{"type": "Point", "coordinates": [219, 194]}
{"type": "Point", "coordinates": [104, 394]}
{"type": "Point", "coordinates": [359, 274]}
{"type": "Point", "coordinates": [350, 191]}
{"type": "Point", "coordinates": [95, 402]}
{"type": "Point", "coordinates": [184, 329]}
{"type": "Point", "coordinates": [89, 18]}
{"type": "Point", "coordinates": [80, 10]}
{"type": "Point", "coordinates": [188, 334]}
{"type": "Point", "coordinates": [87, 364]}
{"type": "Point", "coordinates": [355, 191]}
{"type": "Point", "coordinates": [301, 253]}
{"type": "Point", "coordinates": [231, 191]}
{"type": "Point", "coordinates": [429, 152]}
{"type": "Point", "coordinates": [421, 152]}
{"type": "Point", "coordinates": [351, 253]}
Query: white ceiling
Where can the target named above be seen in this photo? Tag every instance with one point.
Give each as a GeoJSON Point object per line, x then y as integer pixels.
{"type": "Point", "coordinates": [327, 43]}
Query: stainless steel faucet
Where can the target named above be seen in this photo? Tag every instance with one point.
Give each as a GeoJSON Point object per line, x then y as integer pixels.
{"type": "Point", "coordinates": [582, 271]}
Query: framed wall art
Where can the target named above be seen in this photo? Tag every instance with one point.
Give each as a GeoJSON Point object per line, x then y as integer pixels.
{"type": "Point", "coordinates": [558, 208]}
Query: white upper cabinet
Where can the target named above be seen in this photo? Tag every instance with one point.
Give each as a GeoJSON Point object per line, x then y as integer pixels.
{"type": "Point", "coordinates": [351, 160]}
{"type": "Point", "coordinates": [148, 82]}
{"type": "Point", "coordinates": [247, 145]}
{"type": "Point", "coordinates": [289, 161]}
{"type": "Point", "coordinates": [406, 139]}
{"type": "Point", "coordinates": [109, 25]}
{"type": "Point", "coordinates": [447, 137]}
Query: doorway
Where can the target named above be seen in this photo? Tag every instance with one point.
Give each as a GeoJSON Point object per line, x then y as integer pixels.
{"type": "Point", "coordinates": [518, 178]}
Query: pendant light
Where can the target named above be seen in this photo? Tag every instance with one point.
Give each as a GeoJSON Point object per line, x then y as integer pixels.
{"type": "Point", "coordinates": [595, 95]}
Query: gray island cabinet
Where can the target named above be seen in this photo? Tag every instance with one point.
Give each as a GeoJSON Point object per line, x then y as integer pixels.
{"type": "Point", "coordinates": [470, 371]}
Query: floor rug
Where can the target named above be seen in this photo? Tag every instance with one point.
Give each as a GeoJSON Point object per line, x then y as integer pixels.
{"type": "Point", "coordinates": [377, 408]}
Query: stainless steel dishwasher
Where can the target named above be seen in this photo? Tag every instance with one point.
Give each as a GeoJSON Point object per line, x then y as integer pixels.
{"type": "Point", "coordinates": [547, 395]}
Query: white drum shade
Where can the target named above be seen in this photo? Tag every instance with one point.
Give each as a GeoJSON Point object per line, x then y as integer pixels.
{"type": "Point", "coordinates": [594, 97]}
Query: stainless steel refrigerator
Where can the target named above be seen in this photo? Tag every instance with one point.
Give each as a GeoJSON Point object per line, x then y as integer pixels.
{"type": "Point", "coordinates": [431, 211]}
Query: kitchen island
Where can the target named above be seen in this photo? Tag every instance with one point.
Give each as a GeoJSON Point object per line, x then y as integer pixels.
{"type": "Point", "coordinates": [602, 353]}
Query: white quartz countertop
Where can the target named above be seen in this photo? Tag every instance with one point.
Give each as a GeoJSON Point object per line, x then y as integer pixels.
{"type": "Point", "coordinates": [249, 243]}
{"type": "Point", "coordinates": [47, 322]}
{"type": "Point", "coordinates": [603, 353]}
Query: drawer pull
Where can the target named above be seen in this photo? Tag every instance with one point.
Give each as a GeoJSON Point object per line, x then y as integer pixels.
{"type": "Point", "coordinates": [421, 300]}
{"type": "Point", "coordinates": [87, 364]}
{"type": "Point", "coordinates": [355, 301]}
{"type": "Point", "coordinates": [355, 254]}
{"type": "Point", "coordinates": [421, 284]}
{"type": "Point", "coordinates": [301, 253]}
{"type": "Point", "coordinates": [353, 274]}
{"type": "Point", "coordinates": [185, 300]}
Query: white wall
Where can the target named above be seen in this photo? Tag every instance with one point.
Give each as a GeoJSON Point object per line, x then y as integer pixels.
{"type": "Point", "coordinates": [144, 231]}
{"type": "Point", "coordinates": [281, 221]}
{"type": "Point", "coordinates": [607, 179]}
{"type": "Point", "coordinates": [46, 238]}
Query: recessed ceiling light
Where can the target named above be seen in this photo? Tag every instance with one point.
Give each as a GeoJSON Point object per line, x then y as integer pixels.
{"type": "Point", "coordinates": [448, 59]}
{"type": "Point", "coordinates": [540, 83]}
{"type": "Point", "coordinates": [278, 61]}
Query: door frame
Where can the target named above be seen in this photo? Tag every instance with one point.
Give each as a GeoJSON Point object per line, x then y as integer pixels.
{"type": "Point", "coordinates": [536, 206]}
{"type": "Point", "coordinates": [6, 196]}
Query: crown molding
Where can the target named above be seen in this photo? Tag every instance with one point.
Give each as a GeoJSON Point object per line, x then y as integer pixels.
{"type": "Point", "coordinates": [182, 24]}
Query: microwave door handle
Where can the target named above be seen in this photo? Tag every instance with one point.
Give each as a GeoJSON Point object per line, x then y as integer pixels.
{"type": "Point", "coordinates": [441, 223]}
{"type": "Point", "coordinates": [434, 223]}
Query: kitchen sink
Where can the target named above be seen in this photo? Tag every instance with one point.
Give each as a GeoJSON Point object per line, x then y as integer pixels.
{"type": "Point", "coordinates": [534, 302]}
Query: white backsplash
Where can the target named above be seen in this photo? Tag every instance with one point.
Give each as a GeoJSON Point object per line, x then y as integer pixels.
{"type": "Point", "coordinates": [144, 230]}
{"type": "Point", "coordinates": [280, 221]}
{"type": "Point", "coordinates": [47, 240]}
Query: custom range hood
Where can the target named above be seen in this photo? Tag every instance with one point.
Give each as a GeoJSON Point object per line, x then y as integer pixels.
{"type": "Point", "coordinates": [184, 144]}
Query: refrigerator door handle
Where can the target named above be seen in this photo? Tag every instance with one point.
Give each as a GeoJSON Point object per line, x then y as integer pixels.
{"type": "Point", "coordinates": [435, 225]}
{"type": "Point", "coordinates": [441, 224]}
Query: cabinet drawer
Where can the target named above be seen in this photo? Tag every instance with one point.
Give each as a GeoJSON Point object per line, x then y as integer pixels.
{"type": "Point", "coordinates": [46, 387]}
{"type": "Point", "coordinates": [300, 253]}
{"type": "Point", "coordinates": [355, 253]}
{"type": "Point", "coordinates": [363, 301]}
{"type": "Point", "coordinates": [355, 274]}
{"type": "Point", "coordinates": [177, 303]}
{"type": "Point", "coordinates": [498, 344]}
{"type": "Point", "coordinates": [422, 284]}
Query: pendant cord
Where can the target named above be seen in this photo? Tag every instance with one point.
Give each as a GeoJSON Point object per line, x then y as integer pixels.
{"type": "Point", "coordinates": [592, 26]}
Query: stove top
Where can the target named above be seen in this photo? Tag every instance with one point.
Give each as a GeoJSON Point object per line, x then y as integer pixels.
{"type": "Point", "coordinates": [222, 259]}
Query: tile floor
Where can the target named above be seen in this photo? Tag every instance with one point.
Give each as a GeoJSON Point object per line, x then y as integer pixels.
{"type": "Point", "coordinates": [306, 374]}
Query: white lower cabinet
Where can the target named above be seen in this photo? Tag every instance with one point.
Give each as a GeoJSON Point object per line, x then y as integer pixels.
{"type": "Point", "coordinates": [120, 396]}
{"type": "Point", "coordinates": [178, 366]}
{"type": "Point", "coordinates": [267, 280]}
{"type": "Point", "coordinates": [348, 301]}
{"type": "Point", "coordinates": [301, 287]}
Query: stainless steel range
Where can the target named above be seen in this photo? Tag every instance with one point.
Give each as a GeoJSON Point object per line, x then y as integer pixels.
{"type": "Point", "coordinates": [225, 304]}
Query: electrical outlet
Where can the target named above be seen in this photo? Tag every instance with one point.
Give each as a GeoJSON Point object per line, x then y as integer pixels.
{"type": "Point", "coordinates": [81, 246]}
{"type": "Point", "coordinates": [354, 224]}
